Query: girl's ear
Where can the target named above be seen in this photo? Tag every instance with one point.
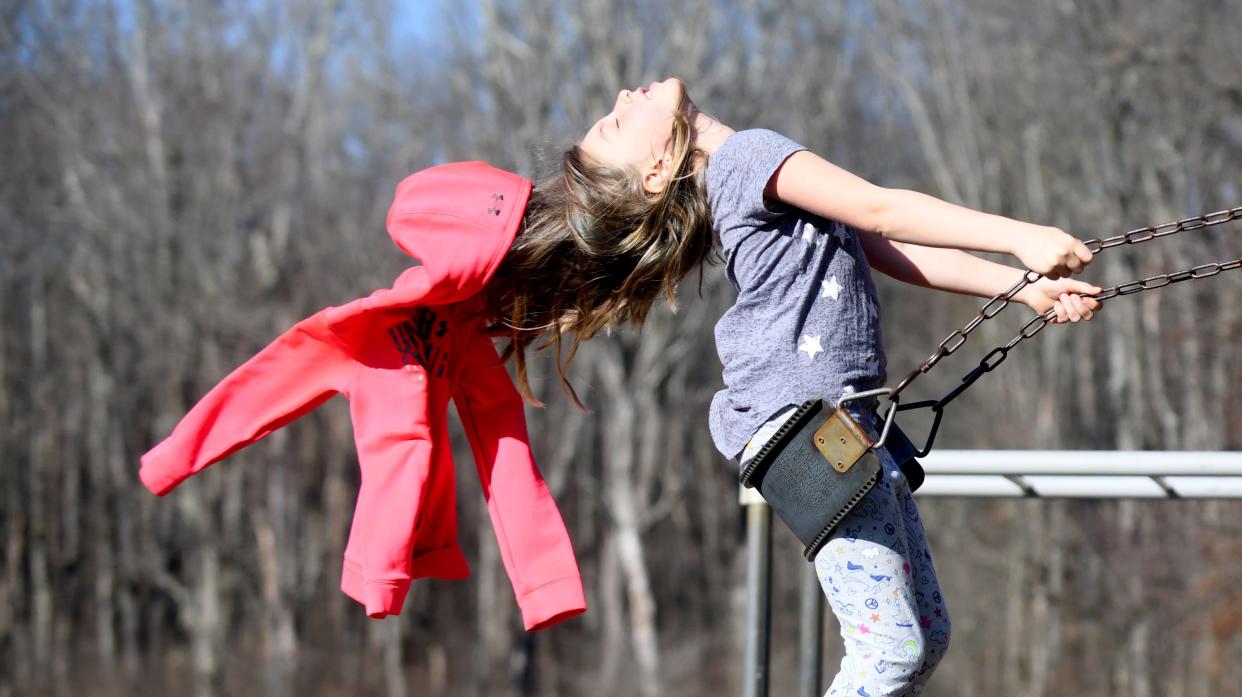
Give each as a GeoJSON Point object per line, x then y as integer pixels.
{"type": "Point", "coordinates": [655, 176]}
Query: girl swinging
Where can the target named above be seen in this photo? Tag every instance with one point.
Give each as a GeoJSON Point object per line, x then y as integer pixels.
{"type": "Point", "coordinates": [799, 236]}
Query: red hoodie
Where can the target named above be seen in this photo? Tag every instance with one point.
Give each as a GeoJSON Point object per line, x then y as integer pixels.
{"type": "Point", "coordinates": [399, 355]}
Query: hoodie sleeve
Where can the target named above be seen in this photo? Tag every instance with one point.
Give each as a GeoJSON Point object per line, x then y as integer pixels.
{"type": "Point", "coordinates": [534, 543]}
{"type": "Point", "coordinates": [291, 376]}
{"type": "Point", "coordinates": [389, 406]}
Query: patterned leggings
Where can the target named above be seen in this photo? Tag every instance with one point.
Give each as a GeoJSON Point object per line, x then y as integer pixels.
{"type": "Point", "coordinates": [880, 582]}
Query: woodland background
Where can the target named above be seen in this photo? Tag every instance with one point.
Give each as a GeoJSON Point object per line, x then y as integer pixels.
{"type": "Point", "coordinates": [183, 180]}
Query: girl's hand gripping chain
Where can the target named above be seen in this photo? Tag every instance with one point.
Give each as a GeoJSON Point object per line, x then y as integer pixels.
{"type": "Point", "coordinates": [1066, 295]}
{"type": "Point", "coordinates": [1056, 255]}
{"type": "Point", "coordinates": [1050, 252]}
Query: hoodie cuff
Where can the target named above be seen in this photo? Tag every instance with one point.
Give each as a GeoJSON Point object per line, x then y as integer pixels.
{"type": "Point", "coordinates": [157, 474]}
{"type": "Point", "coordinates": [384, 598]}
{"type": "Point", "coordinates": [552, 603]}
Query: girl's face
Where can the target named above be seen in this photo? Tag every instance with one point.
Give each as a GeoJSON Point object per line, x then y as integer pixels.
{"type": "Point", "coordinates": [638, 131]}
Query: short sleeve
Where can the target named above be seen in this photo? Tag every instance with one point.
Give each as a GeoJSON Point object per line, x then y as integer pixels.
{"type": "Point", "coordinates": [737, 174]}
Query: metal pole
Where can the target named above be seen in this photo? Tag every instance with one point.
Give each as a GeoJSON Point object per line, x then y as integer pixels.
{"type": "Point", "coordinates": [811, 627]}
{"type": "Point", "coordinates": [758, 599]}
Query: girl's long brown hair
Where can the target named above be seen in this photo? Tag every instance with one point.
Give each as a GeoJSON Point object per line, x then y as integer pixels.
{"type": "Point", "coordinates": [595, 251]}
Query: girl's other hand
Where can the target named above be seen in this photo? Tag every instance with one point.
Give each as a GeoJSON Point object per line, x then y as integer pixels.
{"type": "Point", "coordinates": [1066, 295]}
{"type": "Point", "coordinates": [1051, 252]}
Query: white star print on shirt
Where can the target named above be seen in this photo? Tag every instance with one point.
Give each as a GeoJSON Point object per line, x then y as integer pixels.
{"type": "Point", "coordinates": [830, 288]}
{"type": "Point", "coordinates": [811, 345]}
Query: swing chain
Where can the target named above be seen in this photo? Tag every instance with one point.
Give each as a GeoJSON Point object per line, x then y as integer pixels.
{"type": "Point", "coordinates": [1151, 233]}
{"type": "Point", "coordinates": [1032, 327]}
{"type": "Point", "coordinates": [1038, 322]}
{"type": "Point", "coordinates": [955, 340]}
{"type": "Point", "coordinates": [1200, 271]}
{"type": "Point", "coordinates": [993, 307]}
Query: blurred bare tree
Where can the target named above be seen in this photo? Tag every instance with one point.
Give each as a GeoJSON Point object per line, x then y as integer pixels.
{"type": "Point", "coordinates": [184, 180]}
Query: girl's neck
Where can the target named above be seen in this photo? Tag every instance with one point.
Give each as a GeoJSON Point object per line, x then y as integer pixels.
{"type": "Point", "coordinates": [709, 133]}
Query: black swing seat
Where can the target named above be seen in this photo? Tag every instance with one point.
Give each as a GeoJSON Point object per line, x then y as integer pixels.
{"type": "Point", "coordinates": [818, 466]}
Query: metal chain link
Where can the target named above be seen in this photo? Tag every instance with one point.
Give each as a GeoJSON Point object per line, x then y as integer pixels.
{"type": "Point", "coordinates": [998, 355]}
{"type": "Point", "coordinates": [1037, 323]}
{"type": "Point", "coordinates": [999, 302]}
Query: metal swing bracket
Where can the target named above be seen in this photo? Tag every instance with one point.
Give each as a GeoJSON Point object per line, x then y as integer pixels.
{"type": "Point", "coordinates": [893, 438]}
{"type": "Point", "coordinates": [841, 440]}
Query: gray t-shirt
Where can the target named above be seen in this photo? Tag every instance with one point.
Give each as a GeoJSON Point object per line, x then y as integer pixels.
{"type": "Point", "coordinates": [806, 323]}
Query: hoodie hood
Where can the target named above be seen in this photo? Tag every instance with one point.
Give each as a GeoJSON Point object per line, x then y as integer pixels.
{"type": "Point", "coordinates": [459, 220]}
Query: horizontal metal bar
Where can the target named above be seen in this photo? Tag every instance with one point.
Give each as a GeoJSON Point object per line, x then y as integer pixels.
{"type": "Point", "coordinates": [1144, 463]}
{"type": "Point", "coordinates": [1081, 486]}
{"type": "Point", "coordinates": [1206, 487]}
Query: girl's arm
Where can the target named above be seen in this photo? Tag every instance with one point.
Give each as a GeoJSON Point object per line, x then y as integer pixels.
{"type": "Point", "coordinates": [958, 272]}
{"type": "Point", "coordinates": [813, 184]}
